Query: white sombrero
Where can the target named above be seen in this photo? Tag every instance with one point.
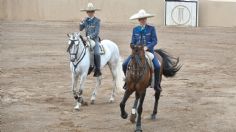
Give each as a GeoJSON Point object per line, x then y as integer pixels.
{"type": "Point", "coordinates": [141, 14]}
{"type": "Point", "coordinates": [90, 7]}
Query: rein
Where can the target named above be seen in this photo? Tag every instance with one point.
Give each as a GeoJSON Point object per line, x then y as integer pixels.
{"type": "Point", "coordinates": [141, 69]}
{"type": "Point", "coordinates": [137, 58]}
{"type": "Point", "coordinates": [81, 56]}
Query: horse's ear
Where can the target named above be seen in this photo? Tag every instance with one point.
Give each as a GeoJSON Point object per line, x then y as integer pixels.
{"type": "Point", "coordinates": [68, 35]}
{"type": "Point", "coordinates": [131, 46]}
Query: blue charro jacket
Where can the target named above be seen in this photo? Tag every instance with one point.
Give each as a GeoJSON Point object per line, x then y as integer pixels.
{"type": "Point", "coordinates": [146, 36]}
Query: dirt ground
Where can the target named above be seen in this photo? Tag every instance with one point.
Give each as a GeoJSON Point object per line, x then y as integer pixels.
{"type": "Point", "coordinates": [35, 81]}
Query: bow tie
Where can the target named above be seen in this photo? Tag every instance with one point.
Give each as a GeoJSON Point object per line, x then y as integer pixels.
{"type": "Point", "coordinates": [90, 18]}
{"type": "Point", "coordinates": [142, 28]}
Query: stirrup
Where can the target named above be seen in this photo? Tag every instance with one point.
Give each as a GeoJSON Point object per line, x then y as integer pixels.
{"type": "Point", "coordinates": [125, 86]}
{"type": "Point", "coordinates": [158, 88]}
{"type": "Point", "coordinates": [91, 68]}
{"type": "Point", "coordinates": [97, 73]}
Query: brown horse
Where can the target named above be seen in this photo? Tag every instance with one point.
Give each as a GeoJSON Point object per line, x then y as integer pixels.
{"type": "Point", "coordinates": [138, 78]}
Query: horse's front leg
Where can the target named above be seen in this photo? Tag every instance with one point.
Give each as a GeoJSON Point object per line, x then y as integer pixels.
{"type": "Point", "coordinates": [98, 84]}
{"type": "Point", "coordinates": [81, 88]}
{"type": "Point", "coordinates": [124, 114]}
{"type": "Point", "coordinates": [134, 109]}
{"type": "Point", "coordinates": [140, 110]}
{"type": "Point", "coordinates": [74, 85]}
{"type": "Point", "coordinates": [157, 96]}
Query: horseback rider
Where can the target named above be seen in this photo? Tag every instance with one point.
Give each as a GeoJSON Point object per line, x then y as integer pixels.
{"type": "Point", "coordinates": [145, 34]}
{"type": "Point", "coordinates": [91, 24]}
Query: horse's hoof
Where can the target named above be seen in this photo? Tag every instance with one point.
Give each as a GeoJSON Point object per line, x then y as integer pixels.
{"type": "Point", "coordinates": [92, 102]}
{"type": "Point", "coordinates": [138, 129]}
{"type": "Point", "coordinates": [132, 118]}
{"type": "Point", "coordinates": [111, 101]}
{"type": "Point", "coordinates": [76, 108]}
{"type": "Point", "coordinates": [124, 115]}
{"type": "Point", "coordinates": [153, 117]}
{"type": "Point", "coordinates": [85, 104]}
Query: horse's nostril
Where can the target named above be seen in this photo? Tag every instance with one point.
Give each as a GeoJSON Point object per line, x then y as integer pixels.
{"type": "Point", "coordinates": [72, 59]}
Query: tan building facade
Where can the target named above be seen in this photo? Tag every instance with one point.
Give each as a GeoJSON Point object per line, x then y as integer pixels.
{"type": "Point", "coordinates": [211, 13]}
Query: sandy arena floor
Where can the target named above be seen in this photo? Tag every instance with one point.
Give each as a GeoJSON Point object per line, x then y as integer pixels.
{"type": "Point", "coordinates": [35, 81]}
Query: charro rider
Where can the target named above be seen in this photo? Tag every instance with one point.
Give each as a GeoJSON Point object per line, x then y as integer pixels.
{"type": "Point", "coordinates": [146, 35]}
{"type": "Point", "coordinates": [91, 24]}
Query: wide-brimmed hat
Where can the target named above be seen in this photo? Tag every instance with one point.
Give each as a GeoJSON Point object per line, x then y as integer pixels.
{"type": "Point", "coordinates": [90, 7]}
{"type": "Point", "coordinates": [141, 14]}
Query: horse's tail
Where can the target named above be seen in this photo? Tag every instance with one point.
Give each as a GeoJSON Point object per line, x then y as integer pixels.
{"type": "Point", "coordinates": [117, 65]}
{"type": "Point", "coordinates": [170, 64]}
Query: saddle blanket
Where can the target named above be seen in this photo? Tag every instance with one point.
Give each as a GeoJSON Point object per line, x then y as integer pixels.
{"type": "Point", "coordinates": [150, 57]}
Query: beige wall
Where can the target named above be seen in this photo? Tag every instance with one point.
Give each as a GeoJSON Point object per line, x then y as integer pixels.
{"type": "Point", "coordinates": [66, 10]}
{"type": "Point", "coordinates": [217, 13]}
{"type": "Point", "coordinates": [113, 11]}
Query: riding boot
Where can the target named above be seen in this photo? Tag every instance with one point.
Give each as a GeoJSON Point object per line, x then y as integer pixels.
{"type": "Point", "coordinates": [157, 85]}
{"type": "Point", "coordinates": [91, 68]}
{"type": "Point", "coordinates": [97, 62]}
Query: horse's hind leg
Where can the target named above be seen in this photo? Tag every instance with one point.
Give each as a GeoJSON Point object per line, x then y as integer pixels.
{"type": "Point", "coordinates": [98, 84]}
{"type": "Point", "coordinates": [140, 110]}
{"type": "Point", "coordinates": [157, 96]}
{"type": "Point", "coordinates": [124, 114]}
{"type": "Point", "coordinates": [134, 109]}
{"type": "Point", "coordinates": [114, 77]}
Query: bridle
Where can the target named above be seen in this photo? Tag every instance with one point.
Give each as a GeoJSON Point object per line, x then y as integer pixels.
{"type": "Point", "coordinates": [82, 54]}
{"type": "Point", "coordinates": [139, 69]}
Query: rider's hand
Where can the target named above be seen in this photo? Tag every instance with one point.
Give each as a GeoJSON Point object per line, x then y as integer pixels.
{"type": "Point", "coordinates": [82, 21]}
{"type": "Point", "coordinates": [145, 48]}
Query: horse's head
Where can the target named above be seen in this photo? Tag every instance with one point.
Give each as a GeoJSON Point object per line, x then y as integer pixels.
{"type": "Point", "coordinates": [75, 42]}
{"type": "Point", "coordinates": [137, 58]}
{"type": "Point", "coordinates": [138, 67]}
{"type": "Point", "coordinates": [137, 50]}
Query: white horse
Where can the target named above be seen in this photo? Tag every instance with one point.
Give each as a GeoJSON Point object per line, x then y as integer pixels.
{"type": "Point", "coordinates": [80, 61]}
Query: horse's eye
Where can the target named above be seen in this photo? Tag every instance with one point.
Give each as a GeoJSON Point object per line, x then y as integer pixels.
{"type": "Point", "coordinates": [69, 42]}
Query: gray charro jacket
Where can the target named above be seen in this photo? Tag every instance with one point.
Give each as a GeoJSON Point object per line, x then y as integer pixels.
{"type": "Point", "coordinates": [92, 27]}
